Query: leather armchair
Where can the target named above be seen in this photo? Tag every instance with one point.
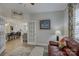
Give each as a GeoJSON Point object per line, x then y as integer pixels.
{"type": "Point", "coordinates": [72, 48]}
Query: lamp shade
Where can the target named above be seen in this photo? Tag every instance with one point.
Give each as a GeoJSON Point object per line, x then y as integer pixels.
{"type": "Point", "coordinates": [58, 33]}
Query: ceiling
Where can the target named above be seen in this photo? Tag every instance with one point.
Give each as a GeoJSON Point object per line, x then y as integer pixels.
{"type": "Point", "coordinates": [37, 8]}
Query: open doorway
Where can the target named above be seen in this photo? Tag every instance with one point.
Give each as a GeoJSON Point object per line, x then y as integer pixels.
{"type": "Point", "coordinates": [16, 35]}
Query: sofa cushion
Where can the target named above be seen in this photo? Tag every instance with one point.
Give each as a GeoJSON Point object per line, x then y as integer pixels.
{"type": "Point", "coordinates": [71, 49]}
{"type": "Point", "coordinates": [69, 52]}
{"type": "Point", "coordinates": [55, 51]}
{"type": "Point", "coordinates": [73, 45]}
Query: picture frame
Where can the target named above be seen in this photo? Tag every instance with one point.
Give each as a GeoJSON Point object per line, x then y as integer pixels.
{"type": "Point", "coordinates": [45, 24]}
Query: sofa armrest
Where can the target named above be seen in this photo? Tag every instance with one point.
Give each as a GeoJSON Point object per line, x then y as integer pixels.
{"type": "Point", "coordinates": [52, 43]}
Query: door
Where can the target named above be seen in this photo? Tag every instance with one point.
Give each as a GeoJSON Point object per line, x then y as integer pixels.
{"type": "Point", "coordinates": [32, 32]}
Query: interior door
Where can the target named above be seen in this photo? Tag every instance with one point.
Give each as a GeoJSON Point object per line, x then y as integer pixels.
{"type": "Point", "coordinates": [32, 32]}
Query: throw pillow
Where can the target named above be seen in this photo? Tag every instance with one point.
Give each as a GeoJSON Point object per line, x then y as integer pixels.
{"type": "Point", "coordinates": [62, 43]}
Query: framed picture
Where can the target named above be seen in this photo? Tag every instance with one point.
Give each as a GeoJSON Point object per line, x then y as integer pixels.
{"type": "Point", "coordinates": [44, 24]}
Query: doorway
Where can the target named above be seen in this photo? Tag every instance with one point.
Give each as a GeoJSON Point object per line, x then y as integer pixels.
{"type": "Point", "coordinates": [15, 33]}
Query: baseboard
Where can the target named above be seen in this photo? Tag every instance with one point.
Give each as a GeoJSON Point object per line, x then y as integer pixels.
{"type": "Point", "coordinates": [42, 44]}
{"type": "Point", "coordinates": [32, 43]}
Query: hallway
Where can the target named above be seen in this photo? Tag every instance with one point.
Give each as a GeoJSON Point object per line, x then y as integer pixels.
{"type": "Point", "coordinates": [15, 47]}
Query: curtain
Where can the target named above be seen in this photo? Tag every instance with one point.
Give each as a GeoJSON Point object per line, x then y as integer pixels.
{"type": "Point", "coordinates": [70, 20]}
{"type": "Point", "coordinates": [76, 21]}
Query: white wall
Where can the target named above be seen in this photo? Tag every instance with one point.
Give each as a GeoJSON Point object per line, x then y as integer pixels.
{"type": "Point", "coordinates": [2, 36]}
{"type": "Point", "coordinates": [57, 23]}
{"type": "Point", "coordinates": [66, 22]}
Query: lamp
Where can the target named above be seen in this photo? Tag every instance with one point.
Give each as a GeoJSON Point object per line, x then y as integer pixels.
{"type": "Point", "coordinates": [58, 33]}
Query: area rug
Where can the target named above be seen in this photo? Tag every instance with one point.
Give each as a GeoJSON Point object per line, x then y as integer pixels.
{"type": "Point", "coordinates": [37, 51]}
{"type": "Point", "coordinates": [45, 54]}
{"type": "Point", "coordinates": [20, 51]}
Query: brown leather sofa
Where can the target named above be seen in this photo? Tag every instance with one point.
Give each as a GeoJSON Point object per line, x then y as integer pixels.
{"type": "Point", "coordinates": [72, 48]}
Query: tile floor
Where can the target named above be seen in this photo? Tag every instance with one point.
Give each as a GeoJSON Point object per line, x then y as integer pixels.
{"type": "Point", "coordinates": [14, 44]}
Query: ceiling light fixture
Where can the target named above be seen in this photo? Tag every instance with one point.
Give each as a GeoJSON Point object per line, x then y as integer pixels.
{"type": "Point", "coordinates": [16, 12]}
{"type": "Point", "coordinates": [32, 3]}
